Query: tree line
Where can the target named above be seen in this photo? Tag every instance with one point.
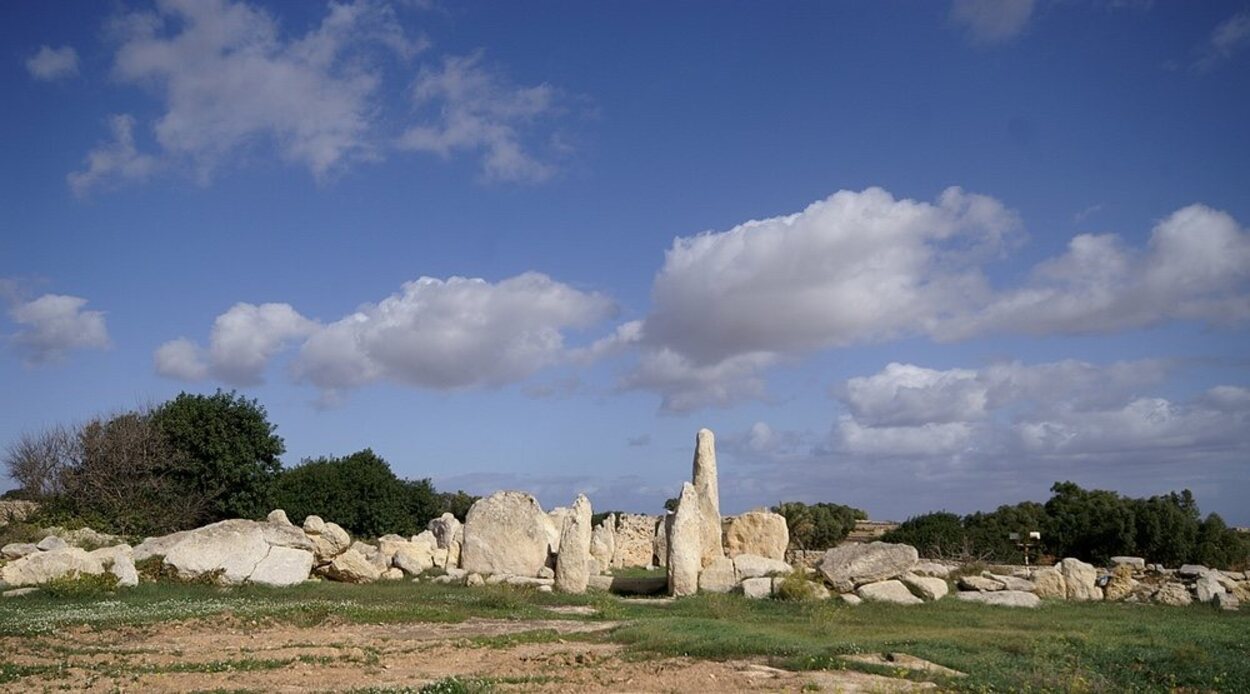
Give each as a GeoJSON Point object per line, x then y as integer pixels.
{"type": "Point", "coordinates": [197, 459]}
{"type": "Point", "coordinates": [1089, 524]}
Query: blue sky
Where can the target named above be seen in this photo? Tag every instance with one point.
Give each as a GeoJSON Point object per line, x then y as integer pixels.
{"type": "Point", "coordinates": [905, 256]}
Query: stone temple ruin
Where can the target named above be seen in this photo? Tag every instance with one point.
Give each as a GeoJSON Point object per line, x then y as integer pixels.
{"type": "Point", "coordinates": [508, 538]}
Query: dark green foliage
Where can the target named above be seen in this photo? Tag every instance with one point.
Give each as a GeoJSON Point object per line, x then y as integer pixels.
{"type": "Point", "coordinates": [1093, 525]}
{"type": "Point", "coordinates": [456, 503]}
{"type": "Point", "coordinates": [598, 518]}
{"type": "Point", "coordinates": [818, 526]}
{"type": "Point", "coordinates": [360, 493]}
{"type": "Point", "coordinates": [229, 451]}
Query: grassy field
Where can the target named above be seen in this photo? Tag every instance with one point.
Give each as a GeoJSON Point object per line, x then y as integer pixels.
{"type": "Point", "coordinates": [1060, 647]}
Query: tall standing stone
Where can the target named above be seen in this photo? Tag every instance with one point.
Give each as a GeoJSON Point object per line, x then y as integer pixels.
{"type": "Point", "coordinates": [603, 541]}
{"type": "Point", "coordinates": [708, 494]}
{"type": "Point", "coordinates": [685, 544]}
{"type": "Point", "coordinates": [572, 573]}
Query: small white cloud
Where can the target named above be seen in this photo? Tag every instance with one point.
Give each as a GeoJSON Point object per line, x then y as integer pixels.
{"type": "Point", "coordinates": [480, 110]}
{"type": "Point", "coordinates": [243, 341]}
{"type": "Point", "coordinates": [1229, 37]}
{"type": "Point", "coordinates": [992, 21]}
{"type": "Point", "coordinates": [54, 324]}
{"type": "Point", "coordinates": [53, 63]}
{"type": "Point", "coordinates": [115, 161]}
{"type": "Point", "coordinates": [685, 386]}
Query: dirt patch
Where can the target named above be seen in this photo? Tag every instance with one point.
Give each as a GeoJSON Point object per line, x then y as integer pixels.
{"type": "Point", "coordinates": [228, 654]}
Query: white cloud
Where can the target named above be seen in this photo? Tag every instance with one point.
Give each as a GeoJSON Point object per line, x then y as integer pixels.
{"type": "Point", "coordinates": [50, 64]}
{"type": "Point", "coordinates": [453, 333]}
{"type": "Point", "coordinates": [229, 78]}
{"type": "Point", "coordinates": [1195, 267]}
{"type": "Point", "coordinates": [992, 21]}
{"type": "Point", "coordinates": [54, 324]}
{"type": "Point", "coordinates": [685, 386]}
{"type": "Point", "coordinates": [480, 110]}
{"type": "Point", "coordinates": [114, 161]}
{"type": "Point", "coordinates": [1229, 37]}
{"type": "Point", "coordinates": [242, 342]}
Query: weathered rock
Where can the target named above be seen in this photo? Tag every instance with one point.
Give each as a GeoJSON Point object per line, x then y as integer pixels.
{"type": "Point", "coordinates": [1175, 594]}
{"type": "Point", "coordinates": [707, 489]}
{"type": "Point", "coordinates": [718, 577]}
{"type": "Point", "coordinates": [286, 535]}
{"type": "Point", "coordinates": [390, 543]}
{"type": "Point", "coordinates": [659, 545]}
{"type": "Point", "coordinates": [1241, 591]}
{"type": "Point", "coordinates": [19, 592]}
{"type": "Point", "coordinates": [555, 528]}
{"type": "Point", "coordinates": [1192, 570]}
{"type": "Point", "coordinates": [632, 540]}
{"type": "Point", "coordinates": [926, 588]}
{"type": "Point", "coordinates": [1048, 583]}
{"type": "Point", "coordinates": [929, 568]}
{"type": "Point", "coordinates": [118, 560]}
{"type": "Point", "coordinates": [505, 533]}
{"type": "Point", "coordinates": [754, 566]}
{"type": "Point", "coordinates": [228, 550]}
{"type": "Point", "coordinates": [17, 550]}
{"type": "Point", "coordinates": [757, 588]}
{"type": "Point", "coordinates": [332, 541]}
{"type": "Point", "coordinates": [1131, 562]}
{"type": "Point", "coordinates": [685, 540]}
{"type": "Point", "coordinates": [530, 581]}
{"type": "Point", "coordinates": [546, 572]}
{"type": "Point", "coordinates": [980, 583]}
{"type": "Point", "coordinates": [278, 516]}
{"type": "Point", "coordinates": [83, 537]}
{"type": "Point", "coordinates": [572, 570]}
{"type": "Point", "coordinates": [1002, 598]}
{"type": "Point", "coordinates": [283, 566]}
{"type": "Point", "coordinates": [313, 525]}
{"type": "Point", "coordinates": [1121, 584]}
{"type": "Point", "coordinates": [352, 567]}
{"type": "Point", "coordinates": [41, 567]}
{"type": "Point", "coordinates": [1206, 588]}
{"type": "Point", "coordinates": [851, 599]}
{"type": "Point", "coordinates": [1013, 582]}
{"type": "Point", "coordinates": [757, 532]}
{"type": "Point", "coordinates": [474, 580]}
{"type": "Point", "coordinates": [1080, 579]}
{"type": "Point", "coordinates": [892, 591]}
{"type": "Point", "coordinates": [392, 574]}
{"type": "Point", "coordinates": [157, 546]}
{"type": "Point", "coordinates": [444, 529]}
{"type": "Point", "coordinates": [852, 565]}
{"type": "Point", "coordinates": [603, 541]}
{"type": "Point", "coordinates": [413, 558]}
{"type": "Point", "coordinates": [50, 543]}
{"type": "Point", "coordinates": [1226, 601]}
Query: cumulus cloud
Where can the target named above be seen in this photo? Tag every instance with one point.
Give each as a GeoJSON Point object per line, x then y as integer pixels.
{"type": "Point", "coordinates": [50, 64]}
{"type": "Point", "coordinates": [1195, 267]}
{"type": "Point", "coordinates": [55, 324]}
{"type": "Point", "coordinates": [865, 267]}
{"type": "Point", "coordinates": [113, 162]}
{"type": "Point", "coordinates": [439, 334]}
{"type": "Point", "coordinates": [452, 333]}
{"type": "Point", "coordinates": [478, 109]}
{"type": "Point", "coordinates": [1229, 37]}
{"type": "Point", "coordinates": [242, 342]}
{"type": "Point", "coordinates": [992, 21]}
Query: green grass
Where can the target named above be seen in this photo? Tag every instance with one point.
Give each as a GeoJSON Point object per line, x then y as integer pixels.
{"type": "Point", "coordinates": [1058, 648]}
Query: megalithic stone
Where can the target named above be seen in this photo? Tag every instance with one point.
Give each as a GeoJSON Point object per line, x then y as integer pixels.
{"type": "Point", "coordinates": [572, 572]}
{"type": "Point", "coordinates": [685, 544]}
{"type": "Point", "coordinates": [708, 491]}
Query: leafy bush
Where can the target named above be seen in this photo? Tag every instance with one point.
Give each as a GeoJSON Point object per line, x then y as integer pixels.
{"type": "Point", "coordinates": [80, 586]}
{"type": "Point", "coordinates": [818, 526]}
{"type": "Point", "coordinates": [360, 493]}
{"type": "Point", "coordinates": [795, 586]}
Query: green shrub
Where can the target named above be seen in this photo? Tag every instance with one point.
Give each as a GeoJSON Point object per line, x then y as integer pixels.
{"type": "Point", "coordinates": [80, 586]}
{"type": "Point", "coordinates": [795, 586]}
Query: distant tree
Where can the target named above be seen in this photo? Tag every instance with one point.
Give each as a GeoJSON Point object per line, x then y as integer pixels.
{"type": "Point", "coordinates": [989, 534]}
{"type": "Point", "coordinates": [1090, 524]}
{"type": "Point", "coordinates": [128, 480]}
{"type": "Point", "coordinates": [671, 504]}
{"type": "Point", "coordinates": [598, 518]}
{"type": "Point", "coordinates": [1166, 527]}
{"type": "Point", "coordinates": [359, 492]}
{"type": "Point", "coordinates": [456, 503]}
{"type": "Point", "coordinates": [937, 535]}
{"type": "Point", "coordinates": [38, 460]}
{"type": "Point", "coordinates": [228, 451]}
{"type": "Point", "coordinates": [820, 525]}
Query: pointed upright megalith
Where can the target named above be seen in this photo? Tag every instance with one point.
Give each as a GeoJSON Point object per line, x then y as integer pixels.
{"type": "Point", "coordinates": [708, 492]}
{"type": "Point", "coordinates": [685, 544]}
{"type": "Point", "coordinates": [572, 572]}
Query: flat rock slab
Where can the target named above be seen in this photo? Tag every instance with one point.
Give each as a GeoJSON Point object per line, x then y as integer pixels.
{"type": "Point", "coordinates": [907, 662]}
{"type": "Point", "coordinates": [1002, 598]}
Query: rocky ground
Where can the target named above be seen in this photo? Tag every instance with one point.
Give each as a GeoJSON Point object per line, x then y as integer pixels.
{"type": "Point", "coordinates": [228, 654]}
